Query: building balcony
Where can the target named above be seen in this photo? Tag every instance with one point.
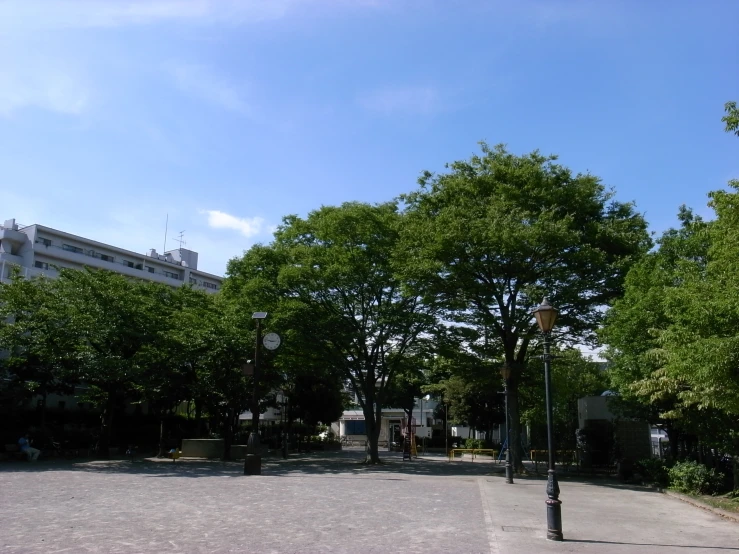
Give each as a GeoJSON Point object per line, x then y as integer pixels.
{"type": "Point", "coordinates": [11, 258]}
{"type": "Point", "coordinates": [12, 236]}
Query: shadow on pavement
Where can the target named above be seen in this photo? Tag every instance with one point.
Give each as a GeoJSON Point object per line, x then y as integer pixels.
{"type": "Point", "coordinates": [588, 480]}
{"type": "Point", "coordinates": [654, 544]}
{"type": "Point", "coordinates": [342, 464]}
{"type": "Point", "coordinates": [316, 464]}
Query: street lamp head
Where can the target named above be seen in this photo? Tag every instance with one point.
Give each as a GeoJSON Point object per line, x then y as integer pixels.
{"type": "Point", "coordinates": [546, 315]}
{"type": "Point", "coordinates": [505, 372]}
{"type": "Point", "coordinates": [259, 315]}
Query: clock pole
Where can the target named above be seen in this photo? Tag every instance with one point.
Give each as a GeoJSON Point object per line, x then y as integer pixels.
{"type": "Point", "coordinates": [253, 461]}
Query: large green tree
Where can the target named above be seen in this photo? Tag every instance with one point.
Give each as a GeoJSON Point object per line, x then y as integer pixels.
{"type": "Point", "coordinates": [573, 376]}
{"type": "Point", "coordinates": [317, 397]}
{"type": "Point", "coordinates": [488, 239]}
{"type": "Point", "coordinates": [701, 346]}
{"type": "Point", "coordinates": [731, 119]}
{"type": "Point", "coordinates": [635, 323]}
{"type": "Point", "coordinates": [35, 341]}
{"type": "Point", "coordinates": [86, 327]}
{"type": "Point", "coordinates": [212, 342]}
{"type": "Point", "coordinates": [333, 279]}
{"type": "Point", "coordinates": [113, 322]}
{"type": "Point", "coordinates": [125, 340]}
{"type": "Point", "coordinates": [406, 386]}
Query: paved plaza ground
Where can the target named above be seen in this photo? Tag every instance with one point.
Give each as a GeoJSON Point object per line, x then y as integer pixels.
{"type": "Point", "coordinates": [321, 503]}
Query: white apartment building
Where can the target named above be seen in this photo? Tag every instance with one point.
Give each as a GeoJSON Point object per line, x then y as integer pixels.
{"type": "Point", "coordinates": [39, 250]}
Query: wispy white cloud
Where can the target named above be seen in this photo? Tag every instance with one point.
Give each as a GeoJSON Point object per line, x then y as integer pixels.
{"type": "Point", "coordinates": [35, 84]}
{"type": "Point", "coordinates": [139, 228]}
{"type": "Point", "coordinates": [200, 82]}
{"type": "Point", "coordinates": [422, 100]}
{"type": "Point", "coordinates": [247, 226]}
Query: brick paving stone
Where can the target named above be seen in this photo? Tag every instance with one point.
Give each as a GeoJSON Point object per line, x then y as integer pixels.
{"type": "Point", "coordinates": [310, 504]}
{"type": "Point", "coordinates": [330, 503]}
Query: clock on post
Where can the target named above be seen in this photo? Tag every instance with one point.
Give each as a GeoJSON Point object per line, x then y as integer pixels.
{"type": "Point", "coordinates": [271, 341]}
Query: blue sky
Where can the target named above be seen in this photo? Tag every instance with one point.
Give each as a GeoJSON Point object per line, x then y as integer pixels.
{"type": "Point", "coordinates": [228, 115]}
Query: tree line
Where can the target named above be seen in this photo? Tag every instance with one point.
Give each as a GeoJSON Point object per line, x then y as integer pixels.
{"type": "Point", "coordinates": [443, 281]}
{"type": "Point", "coordinates": [430, 292]}
{"type": "Point", "coordinates": [115, 340]}
{"type": "Point", "coordinates": [673, 339]}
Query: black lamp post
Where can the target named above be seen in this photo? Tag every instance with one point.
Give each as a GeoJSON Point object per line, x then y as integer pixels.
{"type": "Point", "coordinates": [253, 461]}
{"type": "Point", "coordinates": [505, 372]}
{"type": "Point", "coordinates": [446, 427]}
{"type": "Point", "coordinates": [546, 315]}
{"type": "Point", "coordinates": [284, 425]}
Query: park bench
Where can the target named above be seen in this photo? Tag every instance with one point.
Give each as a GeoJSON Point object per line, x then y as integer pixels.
{"type": "Point", "coordinates": [13, 452]}
{"type": "Point", "coordinates": [472, 451]}
{"type": "Point", "coordinates": [565, 458]}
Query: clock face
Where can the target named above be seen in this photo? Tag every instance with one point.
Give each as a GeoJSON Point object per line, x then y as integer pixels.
{"type": "Point", "coordinates": [271, 341]}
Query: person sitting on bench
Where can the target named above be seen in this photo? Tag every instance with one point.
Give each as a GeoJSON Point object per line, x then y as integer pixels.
{"type": "Point", "coordinates": [25, 445]}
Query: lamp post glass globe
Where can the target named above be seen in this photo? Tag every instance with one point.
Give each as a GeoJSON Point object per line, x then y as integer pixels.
{"type": "Point", "coordinates": [545, 315]}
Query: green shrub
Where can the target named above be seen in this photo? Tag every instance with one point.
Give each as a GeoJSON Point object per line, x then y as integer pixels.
{"type": "Point", "coordinates": [654, 471]}
{"type": "Point", "coordinates": [474, 443]}
{"type": "Point", "coordinates": [694, 478]}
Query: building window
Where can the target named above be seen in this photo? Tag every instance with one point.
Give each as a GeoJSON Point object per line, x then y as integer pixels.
{"type": "Point", "coordinates": [129, 264]}
{"type": "Point", "coordinates": [150, 269]}
{"type": "Point", "coordinates": [70, 248]}
{"type": "Point", "coordinates": [193, 281]}
{"type": "Point", "coordinates": [354, 427]}
{"type": "Point", "coordinates": [172, 275]}
{"type": "Point", "coordinates": [45, 242]}
{"type": "Point", "coordinates": [210, 285]}
{"type": "Point", "coordinates": [41, 265]}
{"type": "Point", "coordinates": [140, 266]}
{"type": "Point", "coordinates": [107, 258]}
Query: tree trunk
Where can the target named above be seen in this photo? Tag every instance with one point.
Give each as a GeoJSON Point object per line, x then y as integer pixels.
{"type": "Point", "coordinates": [228, 434]}
{"type": "Point", "coordinates": [162, 428]}
{"type": "Point", "coordinates": [43, 409]}
{"type": "Point", "coordinates": [514, 418]}
{"type": "Point", "coordinates": [672, 437]}
{"type": "Point", "coordinates": [199, 419]}
{"type": "Point", "coordinates": [515, 360]}
{"type": "Point", "coordinates": [372, 427]}
{"type": "Point", "coordinates": [162, 446]}
{"type": "Point", "coordinates": [106, 425]}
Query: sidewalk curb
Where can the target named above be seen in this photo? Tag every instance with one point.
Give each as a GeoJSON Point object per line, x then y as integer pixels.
{"type": "Point", "coordinates": [698, 504]}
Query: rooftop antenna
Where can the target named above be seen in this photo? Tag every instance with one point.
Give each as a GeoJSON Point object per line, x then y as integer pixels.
{"type": "Point", "coordinates": [166, 225]}
{"type": "Point", "coordinates": [181, 240]}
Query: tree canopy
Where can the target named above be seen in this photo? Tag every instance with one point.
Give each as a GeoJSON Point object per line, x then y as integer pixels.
{"type": "Point", "coordinates": [333, 280]}
{"type": "Point", "coordinates": [731, 119]}
{"type": "Point", "coordinates": [487, 240]}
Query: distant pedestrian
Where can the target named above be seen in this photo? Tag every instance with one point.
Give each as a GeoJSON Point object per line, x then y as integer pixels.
{"type": "Point", "coordinates": [25, 445]}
